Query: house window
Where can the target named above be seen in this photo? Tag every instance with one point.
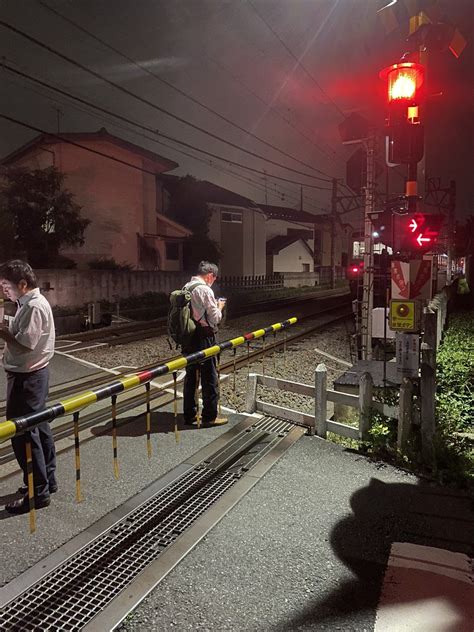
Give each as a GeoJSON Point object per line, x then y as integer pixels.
{"type": "Point", "coordinates": [172, 251]}
{"type": "Point", "coordinates": [233, 218]}
{"type": "Point", "coordinates": [305, 267]}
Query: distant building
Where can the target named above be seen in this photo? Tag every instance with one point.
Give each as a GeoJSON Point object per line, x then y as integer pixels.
{"type": "Point", "coordinates": [237, 225]}
{"type": "Point", "coordinates": [119, 193]}
{"type": "Point", "coordinates": [298, 241]}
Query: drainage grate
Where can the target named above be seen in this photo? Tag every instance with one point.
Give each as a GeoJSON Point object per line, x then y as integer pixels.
{"type": "Point", "coordinates": [68, 597]}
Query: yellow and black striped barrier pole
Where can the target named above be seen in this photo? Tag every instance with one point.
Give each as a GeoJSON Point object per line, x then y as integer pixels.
{"type": "Point", "coordinates": [11, 427]}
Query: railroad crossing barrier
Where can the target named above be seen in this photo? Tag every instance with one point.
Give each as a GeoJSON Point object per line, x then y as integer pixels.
{"type": "Point", "coordinates": [319, 423]}
{"type": "Point", "coordinates": [11, 427]}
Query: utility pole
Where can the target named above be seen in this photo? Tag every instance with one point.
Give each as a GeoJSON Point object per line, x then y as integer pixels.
{"type": "Point", "coordinates": [333, 231]}
{"type": "Point", "coordinates": [368, 279]}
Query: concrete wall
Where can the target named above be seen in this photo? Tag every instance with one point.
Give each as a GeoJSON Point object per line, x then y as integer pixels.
{"type": "Point", "coordinates": [74, 288]}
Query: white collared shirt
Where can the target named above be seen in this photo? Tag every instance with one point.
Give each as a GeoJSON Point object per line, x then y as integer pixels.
{"type": "Point", "coordinates": [32, 327]}
{"type": "Point", "coordinates": [204, 304]}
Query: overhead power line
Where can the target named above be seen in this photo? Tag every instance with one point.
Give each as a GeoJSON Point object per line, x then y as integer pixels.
{"type": "Point", "coordinates": [298, 61]}
{"type": "Point", "coordinates": [311, 186]}
{"type": "Point", "coordinates": [150, 103]}
{"type": "Point", "coordinates": [155, 132]}
{"type": "Point", "coordinates": [176, 89]}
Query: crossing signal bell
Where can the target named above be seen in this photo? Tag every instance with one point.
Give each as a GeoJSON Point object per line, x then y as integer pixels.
{"type": "Point", "coordinates": [405, 94]}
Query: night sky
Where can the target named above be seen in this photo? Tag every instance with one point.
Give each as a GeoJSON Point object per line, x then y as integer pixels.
{"type": "Point", "coordinates": [287, 71]}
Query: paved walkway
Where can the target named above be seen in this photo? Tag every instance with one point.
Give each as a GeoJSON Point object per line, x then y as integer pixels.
{"type": "Point", "coordinates": [306, 549]}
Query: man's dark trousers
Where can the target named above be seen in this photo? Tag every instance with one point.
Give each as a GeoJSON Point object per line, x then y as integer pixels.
{"type": "Point", "coordinates": [202, 339]}
{"type": "Point", "coordinates": [27, 393]}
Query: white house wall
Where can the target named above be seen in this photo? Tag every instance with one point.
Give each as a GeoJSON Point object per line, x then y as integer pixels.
{"type": "Point", "coordinates": [292, 258]}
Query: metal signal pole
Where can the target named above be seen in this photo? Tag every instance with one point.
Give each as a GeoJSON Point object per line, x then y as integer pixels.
{"type": "Point", "coordinates": [368, 279]}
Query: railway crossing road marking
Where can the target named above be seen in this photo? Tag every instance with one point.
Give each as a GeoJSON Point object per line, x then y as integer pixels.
{"type": "Point", "coordinates": [426, 589]}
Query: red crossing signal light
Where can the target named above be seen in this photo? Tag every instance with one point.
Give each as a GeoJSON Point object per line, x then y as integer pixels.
{"type": "Point", "coordinates": [405, 96]}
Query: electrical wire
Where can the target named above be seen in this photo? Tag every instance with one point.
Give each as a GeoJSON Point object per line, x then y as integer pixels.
{"type": "Point", "coordinates": [150, 103]}
{"type": "Point", "coordinates": [175, 88]}
{"type": "Point", "coordinates": [298, 61]}
{"type": "Point", "coordinates": [155, 132]}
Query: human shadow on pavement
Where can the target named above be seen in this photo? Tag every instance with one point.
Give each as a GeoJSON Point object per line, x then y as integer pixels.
{"type": "Point", "coordinates": [384, 513]}
{"type": "Point", "coordinates": [161, 423]}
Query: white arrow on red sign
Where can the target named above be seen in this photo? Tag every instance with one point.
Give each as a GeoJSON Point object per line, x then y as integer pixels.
{"type": "Point", "coordinates": [420, 239]}
{"type": "Point", "coordinates": [413, 225]}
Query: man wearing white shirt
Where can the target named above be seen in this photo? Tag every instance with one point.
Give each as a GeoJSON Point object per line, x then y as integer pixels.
{"type": "Point", "coordinates": [29, 347]}
{"type": "Point", "coordinates": [207, 314]}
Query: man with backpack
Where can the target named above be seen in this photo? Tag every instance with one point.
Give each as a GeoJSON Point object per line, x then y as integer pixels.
{"type": "Point", "coordinates": [206, 314]}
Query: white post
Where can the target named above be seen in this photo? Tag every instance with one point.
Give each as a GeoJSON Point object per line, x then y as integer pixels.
{"type": "Point", "coordinates": [320, 400]}
{"type": "Point", "coordinates": [251, 394]}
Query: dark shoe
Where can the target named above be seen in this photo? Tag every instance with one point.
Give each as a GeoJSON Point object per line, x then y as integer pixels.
{"type": "Point", "coordinates": [190, 422]}
{"type": "Point", "coordinates": [24, 489]}
{"type": "Point", "coordinates": [21, 505]}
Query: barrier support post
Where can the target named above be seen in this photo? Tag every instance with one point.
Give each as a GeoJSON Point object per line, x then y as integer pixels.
{"type": "Point", "coordinates": [77, 456]}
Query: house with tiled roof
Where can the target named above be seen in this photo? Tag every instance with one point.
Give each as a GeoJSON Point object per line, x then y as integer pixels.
{"type": "Point", "coordinates": [115, 182]}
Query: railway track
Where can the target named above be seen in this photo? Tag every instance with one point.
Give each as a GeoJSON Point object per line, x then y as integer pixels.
{"type": "Point", "coordinates": [160, 394]}
{"type": "Point", "coordinates": [131, 332]}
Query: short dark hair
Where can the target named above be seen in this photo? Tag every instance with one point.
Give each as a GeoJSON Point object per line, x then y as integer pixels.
{"type": "Point", "coordinates": [17, 270]}
{"type": "Point", "coordinates": [206, 267]}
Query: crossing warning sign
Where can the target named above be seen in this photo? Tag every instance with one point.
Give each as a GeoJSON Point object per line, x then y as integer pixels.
{"type": "Point", "coordinates": [403, 315]}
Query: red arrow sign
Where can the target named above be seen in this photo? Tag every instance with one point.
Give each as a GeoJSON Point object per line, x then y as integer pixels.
{"type": "Point", "coordinates": [413, 225]}
{"type": "Point", "coordinates": [420, 239]}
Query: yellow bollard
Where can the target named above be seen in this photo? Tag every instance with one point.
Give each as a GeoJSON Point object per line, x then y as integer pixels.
{"type": "Point", "coordinates": [175, 406]}
{"type": "Point", "coordinates": [263, 355]}
{"type": "Point", "coordinates": [77, 456]}
{"type": "Point", "coordinates": [148, 419]}
{"type": "Point", "coordinates": [31, 486]}
{"type": "Point", "coordinates": [114, 435]}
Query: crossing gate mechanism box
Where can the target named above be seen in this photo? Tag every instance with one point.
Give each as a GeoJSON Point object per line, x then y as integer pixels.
{"type": "Point", "coordinates": [404, 315]}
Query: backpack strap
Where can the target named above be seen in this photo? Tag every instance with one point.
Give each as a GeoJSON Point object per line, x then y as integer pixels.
{"type": "Point", "coordinates": [192, 286]}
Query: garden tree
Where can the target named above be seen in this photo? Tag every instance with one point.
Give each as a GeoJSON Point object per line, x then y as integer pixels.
{"type": "Point", "coordinates": [37, 216]}
{"type": "Point", "coordinates": [188, 206]}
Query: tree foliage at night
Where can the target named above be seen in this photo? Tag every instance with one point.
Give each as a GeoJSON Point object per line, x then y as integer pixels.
{"type": "Point", "coordinates": [188, 206]}
{"type": "Point", "coordinates": [38, 216]}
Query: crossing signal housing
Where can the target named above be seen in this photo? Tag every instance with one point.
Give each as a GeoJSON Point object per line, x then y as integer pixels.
{"type": "Point", "coordinates": [405, 94]}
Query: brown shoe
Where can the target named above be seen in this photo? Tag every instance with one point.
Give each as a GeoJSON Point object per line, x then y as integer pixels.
{"type": "Point", "coordinates": [22, 506]}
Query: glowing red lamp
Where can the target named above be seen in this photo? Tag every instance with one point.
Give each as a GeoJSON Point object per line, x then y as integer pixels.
{"type": "Point", "coordinates": [404, 81]}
